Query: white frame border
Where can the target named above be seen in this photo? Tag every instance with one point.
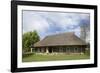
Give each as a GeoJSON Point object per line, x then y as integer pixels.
{"type": "Point", "coordinates": [52, 63]}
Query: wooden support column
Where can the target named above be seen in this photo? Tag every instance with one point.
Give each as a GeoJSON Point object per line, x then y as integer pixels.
{"type": "Point", "coordinates": [31, 50]}
{"type": "Point", "coordinates": [52, 50]}
{"type": "Point", "coordinates": [47, 51]}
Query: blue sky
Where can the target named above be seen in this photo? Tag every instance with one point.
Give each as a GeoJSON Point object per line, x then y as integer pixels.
{"type": "Point", "coordinates": [49, 23]}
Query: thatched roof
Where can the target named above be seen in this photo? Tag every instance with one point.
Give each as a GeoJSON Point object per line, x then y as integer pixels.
{"type": "Point", "coordinates": [62, 39]}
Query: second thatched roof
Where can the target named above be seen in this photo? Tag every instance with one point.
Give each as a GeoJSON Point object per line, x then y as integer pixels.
{"type": "Point", "coordinates": [63, 39]}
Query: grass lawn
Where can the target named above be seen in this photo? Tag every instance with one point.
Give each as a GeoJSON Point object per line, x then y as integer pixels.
{"type": "Point", "coordinates": [48, 57]}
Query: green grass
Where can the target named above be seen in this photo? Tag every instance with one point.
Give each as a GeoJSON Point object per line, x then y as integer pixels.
{"type": "Point", "coordinates": [48, 57]}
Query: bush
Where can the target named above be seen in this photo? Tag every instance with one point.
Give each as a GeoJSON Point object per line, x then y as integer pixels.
{"type": "Point", "coordinates": [27, 54]}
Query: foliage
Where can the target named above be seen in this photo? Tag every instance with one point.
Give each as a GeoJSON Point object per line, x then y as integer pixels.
{"type": "Point", "coordinates": [29, 39]}
{"type": "Point", "coordinates": [27, 54]}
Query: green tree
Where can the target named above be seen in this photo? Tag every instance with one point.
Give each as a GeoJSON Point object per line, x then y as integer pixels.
{"type": "Point", "coordinates": [28, 39]}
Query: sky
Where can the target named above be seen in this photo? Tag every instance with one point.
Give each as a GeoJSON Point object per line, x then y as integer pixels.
{"type": "Point", "coordinates": [49, 23]}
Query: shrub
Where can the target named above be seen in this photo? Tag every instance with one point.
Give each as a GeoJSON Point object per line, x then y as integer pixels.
{"type": "Point", "coordinates": [27, 54]}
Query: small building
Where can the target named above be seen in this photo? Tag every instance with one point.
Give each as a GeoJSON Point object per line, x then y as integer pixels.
{"type": "Point", "coordinates": [67, 43]}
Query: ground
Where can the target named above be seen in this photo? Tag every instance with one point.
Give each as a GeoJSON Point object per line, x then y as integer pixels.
{"type": "Point", "coordinates": [48, 57]}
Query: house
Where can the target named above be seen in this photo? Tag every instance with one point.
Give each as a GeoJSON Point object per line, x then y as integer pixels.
{"type": "Point", "coordinates": [60, 43]}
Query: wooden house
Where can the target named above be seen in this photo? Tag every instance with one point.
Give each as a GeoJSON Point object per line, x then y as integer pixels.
{"type": "Point", "coordinates": [67, 43]}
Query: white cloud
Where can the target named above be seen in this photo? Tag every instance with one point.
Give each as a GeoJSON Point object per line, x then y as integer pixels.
{"type": "Point", "coordinates": [44, 21]}
{"type": "Point", "coordinates": [34, 22]}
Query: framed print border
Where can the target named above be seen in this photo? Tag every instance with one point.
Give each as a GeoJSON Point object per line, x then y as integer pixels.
{"type": "Point", "coordinates": [14, 40]}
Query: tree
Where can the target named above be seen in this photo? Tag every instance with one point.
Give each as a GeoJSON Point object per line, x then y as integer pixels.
{"type": "Point", "coordinates": [85, 31]}
{"type": "Point", "coordinates": [28, 39]}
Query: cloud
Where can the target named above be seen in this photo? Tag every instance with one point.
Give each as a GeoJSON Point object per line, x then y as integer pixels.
{"type": "Point", "coordinates": [32, 21]}
{"type": "Point", "coordinates": [47, 23]}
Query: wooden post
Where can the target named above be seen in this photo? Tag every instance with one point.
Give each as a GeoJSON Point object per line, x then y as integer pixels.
{"type": "Point", "coordinates": [31, 50]}
{"type": "Point", "coordinates": [52, 50]}
{"type": "Point", "coordinates": [47, 50]}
